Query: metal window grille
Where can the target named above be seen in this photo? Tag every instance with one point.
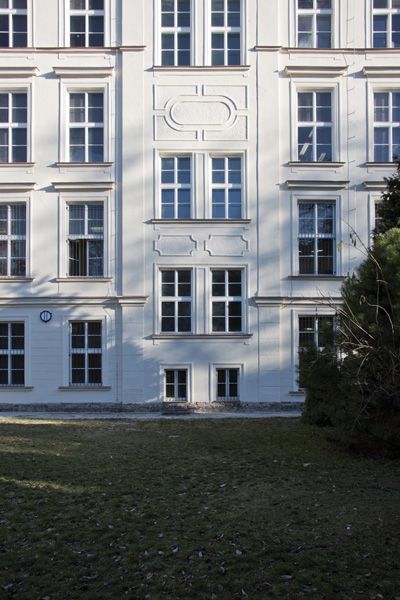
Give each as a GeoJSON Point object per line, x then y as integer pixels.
{"type": "Point", "coordinates": [12, 354]}
{"type": "Point", "coordinates": [316, 238]}
{"type": "Point", "coordinates": [85, 240]}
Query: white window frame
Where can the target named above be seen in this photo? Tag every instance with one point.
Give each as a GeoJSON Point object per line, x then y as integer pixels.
{"type": "Point", "coordinates": [373, 200]}
{"type": "Point", "coordinates": [226, 186]}
{"type": "Point", "coordinates": [19, 89]}
{"type": "Point", "coordinates": [312, 198]}
{"type": "Point", "coordinates": [95, 86]}
{"type": "Point", "coordinates": [27, 373]}
{"type": "Point", "coordinates": [64, 24]}
{"type": "Point", "coordinates": [9, 237]}
{"type": "Point", "coordinates": [175, 186]}
{"type": "Point", "coordinates": [315, 125]}
{"type": "Point", "coordinates": [315, 236]}
{"type": "Point", "coordinates": [65, 200]}
{"type": "Point", "coordinates": [18, 11]}
{"type": "Point", "coordinates": [389, 12]}
{"type": "Point", "coordinates": [375, 86]}
{"type": "Point", "coordinates": [213, 379]}
{"type": "Point", "coordinates": [85, 236]}
{"type": "Point", "coordinates": [175, 30]}
{"type": "Point", "coordinates": [313, 12]}
{"type": "Point", "coordinates": [86, 352]}
{"type": "Point", "coordinates": [390, 125]}
{"type": "Point", "coordinates": [188, 367]}
{"type": "Point", "coordinates": [176, 299]}
{"type": "Point", "coordinates": [86, 125]}
{"type": "Point", "coordinates": [227, 298]}
{"type": "Point", "coordinates": [297, 86]}
{"type": "Point", "coordinates": [225, 30]}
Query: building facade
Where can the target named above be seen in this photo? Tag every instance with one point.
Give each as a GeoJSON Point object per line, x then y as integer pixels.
{"type": "Point", "coordinates": [184, 184]}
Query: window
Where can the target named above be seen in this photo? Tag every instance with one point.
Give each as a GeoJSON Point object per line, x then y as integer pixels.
{"type": "Point", "coordinates": [176, 301]}
{"type": "Point", "coordinates": [12, 353]}
{"type": "Point", "coordinates": [386, 24]}
{"type": "Point", "coordinates": [12, 240]}
{"type": "Point", "coordinates": [13, 127]}
{"type": "Point", "coordinates": [227, 384]}
{"type": "Point", "coordinates": [386, 126]}
{"type": "Point", "coordinates": [13, 24]}
{"type": "Point", "coordinates": [227, 300]}
{"type": "Point", "coordinates": [86, 127]}
{"type": "Point", "coordinates": [85, 353]}
{"type": "Point", "coordinates": [176, 385]}
{"type": "Point", "coordinates": [316, 240]}
{"type": "Point", "coordinates": [86, 23]}
{"type": "Point", "coordinates": [378, 215]}
{"type": "Point", "coordinates": [314, 23]}
{"type": "Point", "coordinates": [225, 32]}
{"type": "Point", "coordinates": [315, 331]}
{"type": "Point", "coordinates": [314, 126]}
{"type": "Point", "coordinates": [85, 240]}
{"type": "Point", "coordinates": [175, 32]}
{"type": "Point", "coordinates": [176, 187]}
{"type": "Point", "coordinates": [226, 187]}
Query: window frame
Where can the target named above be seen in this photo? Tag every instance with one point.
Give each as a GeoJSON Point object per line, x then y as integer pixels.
{"type": "Point", "coordinates": [226, 186]}
{"type": "Point", "coordinates": [64, 26]}
{"type": "Point", "coordinates": [314, 12]}
{"type": "Point", "coordinates": [20, 88]}
{"type": "Point", "coordinates": [315, 236]}
{"type": "Point", "coordinates": [86, 353]}
{"type": "Point", "coordinates": [382, 11]}
{"type": "Point", "coordinates": [213, 378]}
{"type": "Point", "coordinates": [175, 30]}
{"type": "Point", "coordinates": [188, 367]}
{"type": "Point", "coordinates": [17, 320]}
{"type": "Point", "coordinates": [225, 29]}
{"type": "Point", "coordinates": [19, 201]}
{"type": "Point", "coordinates": [175, 186]}
{"type": "Point", "coordinates": [86, 237]}
{"type": "Point", "coordinates": [19, 11]}
{"type": "Point", "coordinates": [316, 197]}
{"type": "Point", "coordinates": [94, 86]}
{"type": "Point", "coordinates": [390, 125]}
{"type": "Point", "coordinates": [176, 299]}
{"type": "Point", "coordinates": [227, 298]}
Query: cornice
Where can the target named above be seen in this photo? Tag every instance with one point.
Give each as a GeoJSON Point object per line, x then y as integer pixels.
{"type": "Point", "coordinates": [80, 186]}
{"type": "Point", "coordinates": [261, 301]}
{"type": "Point", "coordinates": [374, 185]}
{"type": "Point", "coordinates": [315, 71]}
{"type": "Point", "coordinates": [315, 184]}
{"type": "Point", "coordinates": [17, 186]}
{"type": "Point", "coordinates": [76, 72]}
{"type": "Point", "coordinates": [18, 71]}
{"type": "Point", "coordinates": [381, 71]}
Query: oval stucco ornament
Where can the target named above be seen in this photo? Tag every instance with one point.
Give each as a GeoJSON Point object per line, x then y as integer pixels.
{"type": "Point", "coordinates": [194, 112]}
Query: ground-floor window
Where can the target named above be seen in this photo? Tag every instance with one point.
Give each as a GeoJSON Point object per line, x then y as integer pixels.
{"type": "Point", "coordinates": [227, 384]}
{"type": "Point", "coordinates": [85, 353]}
{"type": "Point", "coordinates": [12, 353]}
{"type": "Point", "coordinates": [176, 385]}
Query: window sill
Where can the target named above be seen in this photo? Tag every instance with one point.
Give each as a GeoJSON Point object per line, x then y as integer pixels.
{"type": "Point", "coordinates": [391, 165]}
{"type": "Point", "coordinates": [86, 165]}
{"type": "Point", "coordinates": [202, 336]}
{"type": "Point", "coordinates": [17, 165]}
{"type": "Point", "coordinates": [200, 221]}
{"type": "Point", "coordinates": [83, 279]}
{"type": "Point", "coordinates": [85, 388]}
{"type": "Point", "coordinates": [316, 278]}
{"type": "Point", "coordinates": [204, 68]}
{"type": "Point", "coordinates": [16, 388]}
{"type": "Point", "coordinates": [316, 164]}
{"type": "Point", "coordinates": [16, 279]}
{"type": "Point", "coordinates": [297, 393]}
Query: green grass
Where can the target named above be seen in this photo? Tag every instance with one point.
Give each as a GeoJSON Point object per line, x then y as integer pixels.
{"type": "Point", "coordinates": [190, 510]}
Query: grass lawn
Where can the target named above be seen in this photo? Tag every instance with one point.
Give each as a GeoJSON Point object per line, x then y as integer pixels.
{"type": "Point", "coordinates": [193, 510]}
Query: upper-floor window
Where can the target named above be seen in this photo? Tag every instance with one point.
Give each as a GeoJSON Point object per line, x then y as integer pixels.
{"type": "Point", "coordinates": [314, 23]}
{"type": "Point", "coordinates": [13, 24]}
{"type": "Point", "coordinates": [225, 32]}
{"type": "Point", "coordinates": [85, 348]}
{"type": "Point", "coordinates": [386, 24]}
{"type": "Point", "coordinates": [176, 301]}
{"type": "Point", "coordinates": [175, 32]}
{"type": "Point", "coordinates": [386, 126]}
{"type": "Point", "coordinates": [12, 240]}
{"type": "Point", "coordinates": [86, 23]}
{"type": "Point", "coordinates": [85, 240]}
{"type": "Point", "coordinates": [86, 127]}
{"type": "Point", "coordinates": [316, 238]}
{"type": "Point", "coordinates": [12, 353]}
{"type": "Point", "coordinates": [227, 300]}
{"type": "Point", "coordinates": [226, 187]}
{"type": "Point", "coordinates": [176, 185]}
{"type": "Point", "coordinates": [13, 127]}
{"type": "Point", "coordinates": [378, 215]}
{"type": "Point", "coordinates": [314, 130]}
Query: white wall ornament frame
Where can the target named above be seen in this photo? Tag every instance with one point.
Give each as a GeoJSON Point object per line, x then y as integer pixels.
{"type": "Point", "coordinates": [175, 245]}
{"type": "Point", "coordinates": [226, 245]}
{"type": "Point", "coordinates": [202, 113]}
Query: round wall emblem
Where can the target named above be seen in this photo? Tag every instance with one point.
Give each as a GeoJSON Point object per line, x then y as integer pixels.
{"type": "Point", "coordinates": [45, 316]}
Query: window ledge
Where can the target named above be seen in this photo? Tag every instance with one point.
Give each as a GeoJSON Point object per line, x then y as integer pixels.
{"type": "Point", "coordinates": [316, 184]}
{"type": "Point", "coordinates": [85, 388]}
{"type": "Point", "coordinates": [297, 393]}
{"type": "Point", "coordinates": [200, 221]}
{"type": "Point", "coordinates": [16, 388]}
{"type": "Point", "coordinates": [201, 68]}
{"type": "Point", "coordinates": [87, 165]}
{"type": "Point", "coordinates": [202, 336]}
{"type": "Point", "coordinates": [386, 165]}
{"type": "Point", "coordinates": [316, 278]}
{"type": "Point", "coordinates": [83, 279]}
{"type": "Point", "coordinates": [16, 279]}
{"type": "Point", "coordinates": [17, 165]}
{"type": "Point", "coordinates": [316, 164]}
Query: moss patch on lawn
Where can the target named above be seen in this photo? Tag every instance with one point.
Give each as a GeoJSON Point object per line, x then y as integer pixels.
{"type": "Point", "coordinates": [187, 510]}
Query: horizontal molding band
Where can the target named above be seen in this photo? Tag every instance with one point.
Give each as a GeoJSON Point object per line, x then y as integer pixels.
{"type": "Point", "coordinates": [17, 186]}
{"type": "Point", "coordinates": [200, 221]}
{"type": "Point", "coordinates": [381, 71]}
{"type": "Point", "coordinates": [18, 71]}
{"type": "Point", "coordinates": [94, 388]}
{"type": "Point", "coordinates": [17, 165]}
{"type": "Point", "coordinates": [315, 164]}
{"type": "Point", "coordinates": [315, 184]}
{"type": "Point", "coordinates": [16, 279]}
{"type": "Point", "coordinates": [85, 165]}
{"type": "Point", "coordinates": [315, 71]}
{"type": "Point", "coordinates": [83, 71]}
{"type": "Point", "coordinates": [201, 68]}
{"type": "Point", "coordinates": [105, 301]}
{"type": "Point", "coordinates": [316, 278]}
{"type": "Point", "coordinates": [277, 301]}
{"type": "Point", "coordinates": [83, 279]}
{"type": "Point", "coordinates": [82, 186]}
{"type": "Point", "coordinates": [16, 388]}
{"type": "Point", "coordinates": [202, 336]}
{"type": "Point", "coordinates": [375, 185]}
